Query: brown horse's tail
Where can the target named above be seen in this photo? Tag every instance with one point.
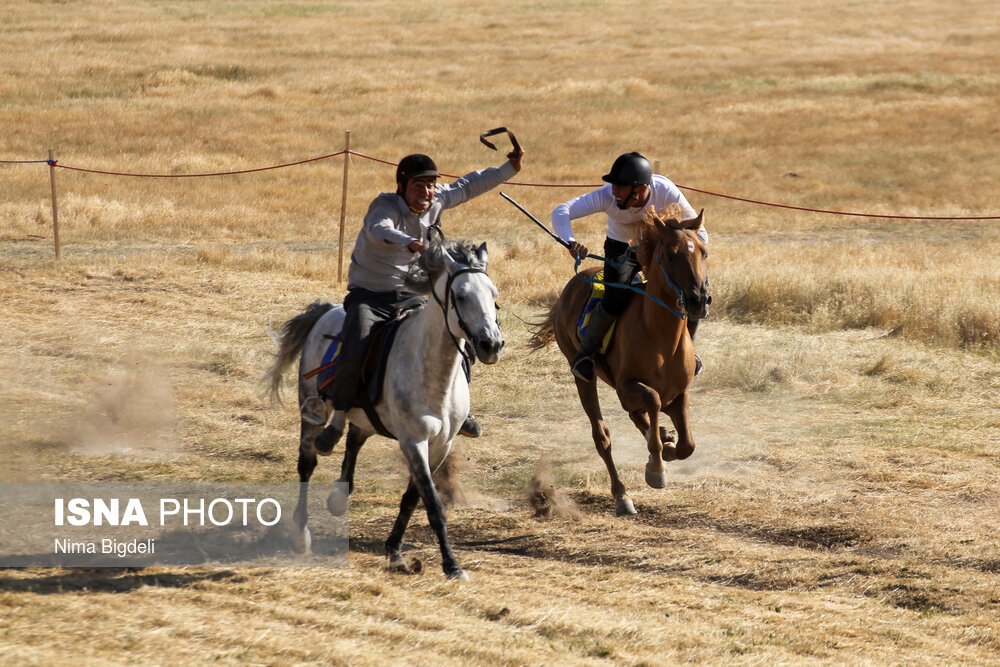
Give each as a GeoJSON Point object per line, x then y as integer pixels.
{"type": "Point", "coordinates": [544, 332]}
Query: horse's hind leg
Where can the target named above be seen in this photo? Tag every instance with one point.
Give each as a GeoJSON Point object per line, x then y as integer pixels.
{"type": "Point", "coordinates": [336, 502]}
{"type": "Point", "coordinates": [677, 410]}
{"type": "Point", "coordinates": [641, 421]}
{"type": "Point", "coordinates": [394, 545]}
{"type": "Point", "coordinates": [602, 440]}
{"type": "Point", "coordinates": [300, 536]}
{"type": "Point", "coordinates": [637, 396]}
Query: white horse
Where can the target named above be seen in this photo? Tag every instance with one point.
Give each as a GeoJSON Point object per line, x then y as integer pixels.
{"type": "Point", "coordinates": [425, 398]}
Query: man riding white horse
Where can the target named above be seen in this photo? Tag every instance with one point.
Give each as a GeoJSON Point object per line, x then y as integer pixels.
{"type": "Point", "coordinates": [631, 191]}
{"type": "Point", "coordinates": [395, 229]}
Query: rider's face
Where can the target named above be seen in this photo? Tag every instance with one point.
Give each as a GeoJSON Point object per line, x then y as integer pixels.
{"type": "Point", "coordinates": [630, 196]}
{"type": "Point", "coordinates": [419, 192]}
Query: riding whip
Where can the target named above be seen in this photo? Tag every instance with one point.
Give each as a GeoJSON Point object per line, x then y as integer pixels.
{"type": "Point", "coordinates": [500, 130]}
{"type": "Point", "coordinates": [536, 221]}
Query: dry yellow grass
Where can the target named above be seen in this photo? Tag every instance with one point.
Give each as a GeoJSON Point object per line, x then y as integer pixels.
{"type": "Point", "coordinates": [840, 506]}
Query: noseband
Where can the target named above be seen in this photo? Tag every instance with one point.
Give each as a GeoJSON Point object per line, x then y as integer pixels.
{"type": "Point", "coordinates": [449, 297]}
{"type": "Point", "coordinates": [681, 301]}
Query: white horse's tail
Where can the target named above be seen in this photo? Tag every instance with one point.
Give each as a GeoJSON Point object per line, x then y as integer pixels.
{"type": "Point", "coordinates": [290, 338]}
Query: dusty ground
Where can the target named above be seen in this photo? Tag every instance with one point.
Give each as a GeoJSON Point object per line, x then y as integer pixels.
{"type": "Point", "coordinates": [840, 505]}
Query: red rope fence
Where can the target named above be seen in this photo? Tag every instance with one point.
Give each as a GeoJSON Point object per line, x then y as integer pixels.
{"type": "Point", "coordinates": [54, 164]}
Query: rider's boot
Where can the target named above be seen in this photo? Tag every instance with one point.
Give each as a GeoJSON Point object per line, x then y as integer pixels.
{"type": "Point", "coordinates": [597, 328]}
{"type": "Point", "coordinates": [331, 435]}
{"type": "Point", "coordinates": [692, 326]}
{"type": "Point", "coordinates": [471, 428]}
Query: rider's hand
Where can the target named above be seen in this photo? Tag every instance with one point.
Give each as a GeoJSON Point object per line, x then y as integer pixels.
{"type": "Point", "coordinates": [415, 246]}
{"type": "Point", "coordinates": [577, 249]}
{"type": "Point", "coordinates": [515, 158]}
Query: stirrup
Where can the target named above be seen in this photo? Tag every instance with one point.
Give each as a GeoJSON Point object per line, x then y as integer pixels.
{"type": "Point", "coordinates": [698, 366]}
{"type": "Point", "coordinates": [471, 428]}
{"type": "Point", "coordinates": [583, 368]}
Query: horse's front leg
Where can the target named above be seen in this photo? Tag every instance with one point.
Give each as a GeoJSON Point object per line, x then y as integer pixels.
{"type": "Point", "coordinates": [416, 454]}
{"type": "Point", "coordinates": [677, 410]}
{"type": "Point", "coordinates": [337, 501]}
{"type": "Point", "coordinates": [636, 396]}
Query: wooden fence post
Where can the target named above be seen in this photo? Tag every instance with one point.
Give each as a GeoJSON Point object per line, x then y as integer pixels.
{"type": "Point", "coordinates": [55, 206]}
{"type": "Point", "coordinates": [343, 207]}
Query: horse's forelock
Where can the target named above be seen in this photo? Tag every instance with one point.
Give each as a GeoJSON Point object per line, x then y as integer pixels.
{"type": "Point", "coordinates": [656, 225]}
{"type": "Point", "coordinates": [430, 263]}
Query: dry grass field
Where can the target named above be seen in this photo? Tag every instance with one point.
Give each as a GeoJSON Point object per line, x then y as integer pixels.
{"type": "Point", "coordinates": [841, 506]}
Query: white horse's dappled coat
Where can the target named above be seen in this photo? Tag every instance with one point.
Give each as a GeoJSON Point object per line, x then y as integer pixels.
{"type": "Point", "coordinates": [425, 398]}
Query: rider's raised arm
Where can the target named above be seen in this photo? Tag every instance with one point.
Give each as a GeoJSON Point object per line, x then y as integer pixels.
{"type": "Point", "coordinates": [474, 184]}
{"type": "Point", "coordinates": [597, 201]}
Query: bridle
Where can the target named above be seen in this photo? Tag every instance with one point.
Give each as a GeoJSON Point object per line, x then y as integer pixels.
{"type": "Point", "coordinates": [449, 297]}
{"type": "Point", "coordinates": [681, 301]}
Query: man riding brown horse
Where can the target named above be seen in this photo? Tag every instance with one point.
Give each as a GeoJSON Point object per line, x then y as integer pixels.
{"type": "Point", "coordinates": [632, 190]}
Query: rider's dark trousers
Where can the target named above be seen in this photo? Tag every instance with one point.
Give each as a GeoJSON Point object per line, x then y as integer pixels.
{"type": "Point", "coordinates": [365, 311]}
{"type": "Point", "coordinates": [620, 266]}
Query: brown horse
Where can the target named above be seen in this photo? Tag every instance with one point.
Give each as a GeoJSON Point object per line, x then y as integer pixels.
{"type": "Point", "coordinates": [650, 362]}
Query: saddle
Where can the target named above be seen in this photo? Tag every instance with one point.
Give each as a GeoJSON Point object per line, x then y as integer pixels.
{"type": "Point", "coordinates": [596, 294]}
{"type": "Point", "coordinates": [372, 369]}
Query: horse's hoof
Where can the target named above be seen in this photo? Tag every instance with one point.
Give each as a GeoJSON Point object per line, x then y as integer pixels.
{"type": "Point", "coordinates": [301, 540]}
{"type": "Point", "coordinates": [669, 453]}
{"type": "Point", "coordinates": [337, 501]}
{"type": "Point", "coordinates": [624, 507]}
{"type": "Point", "coordinates": [666, 437]}
{"type": "Point", "coordinates": [655, 478]}
{"type": "Point", "coordinates": [405, 564]}
{"type": "Point", "coordinates": [458, 575]}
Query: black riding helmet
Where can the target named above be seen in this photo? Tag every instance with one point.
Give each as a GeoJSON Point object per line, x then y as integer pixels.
{"type": "Point", "coordinates": [413, 166]}
{"type": "Point", "coordinates": [630, 169]}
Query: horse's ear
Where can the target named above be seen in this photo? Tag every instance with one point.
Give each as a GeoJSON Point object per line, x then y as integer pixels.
{"type": "Point", "coordinates": [693, 223]}
{"type": "Point", "coordinates": [481, 253]}
{"type": "Point", "coordinates": [450, 265]}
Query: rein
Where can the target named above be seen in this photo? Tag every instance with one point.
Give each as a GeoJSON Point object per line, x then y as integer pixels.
{"type": "Point", "coordinates": [449, 295]}
{"type": "Point", "coordinates": [682, 313]}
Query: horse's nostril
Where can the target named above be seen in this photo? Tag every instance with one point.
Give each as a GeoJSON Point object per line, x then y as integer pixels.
{"type": "Point", "coordinates": [708, 300]}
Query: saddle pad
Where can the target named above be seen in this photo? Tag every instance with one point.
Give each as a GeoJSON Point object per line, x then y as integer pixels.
{"type": "Point", "coordinates": [372, 368]}
{"type": "Point", "coordinates": [596, 294]}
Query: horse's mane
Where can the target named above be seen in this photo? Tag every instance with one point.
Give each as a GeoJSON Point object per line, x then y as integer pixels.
{"type": "Point", "coordinates": [430, 263]}
{"type": "Point", "coordinates": [647, 233]}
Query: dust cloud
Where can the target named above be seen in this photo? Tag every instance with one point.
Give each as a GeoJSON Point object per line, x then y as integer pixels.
{"type": "Point", "coordinates": [545, 498]}
{"type": "Point", "coordinates": [130, 412]}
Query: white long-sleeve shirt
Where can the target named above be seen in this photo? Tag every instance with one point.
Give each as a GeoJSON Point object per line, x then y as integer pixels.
{"type": "Point", "coordinates": [663, 193]}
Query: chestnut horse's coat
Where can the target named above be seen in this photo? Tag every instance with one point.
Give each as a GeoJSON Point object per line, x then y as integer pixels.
{"type": "Point", "coordinates": [650, 362]}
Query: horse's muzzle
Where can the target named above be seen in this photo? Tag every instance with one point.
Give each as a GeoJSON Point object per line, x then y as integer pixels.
{"type": "Point", "coordinates": [489, 349]}
{"type": "Point", "coordinates": [698, 304]}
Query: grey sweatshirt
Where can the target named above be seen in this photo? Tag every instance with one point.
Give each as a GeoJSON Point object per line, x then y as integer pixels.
{"type": "Point", "coordinates": [380, 258]}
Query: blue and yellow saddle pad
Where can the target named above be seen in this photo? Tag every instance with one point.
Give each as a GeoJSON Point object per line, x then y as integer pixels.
{"type": "Point", "coordinates": [596, 294]}
{"type": "Point", "coordinates": [372, 369]}
{"type": "Point", "coordinates": [330, 359]}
